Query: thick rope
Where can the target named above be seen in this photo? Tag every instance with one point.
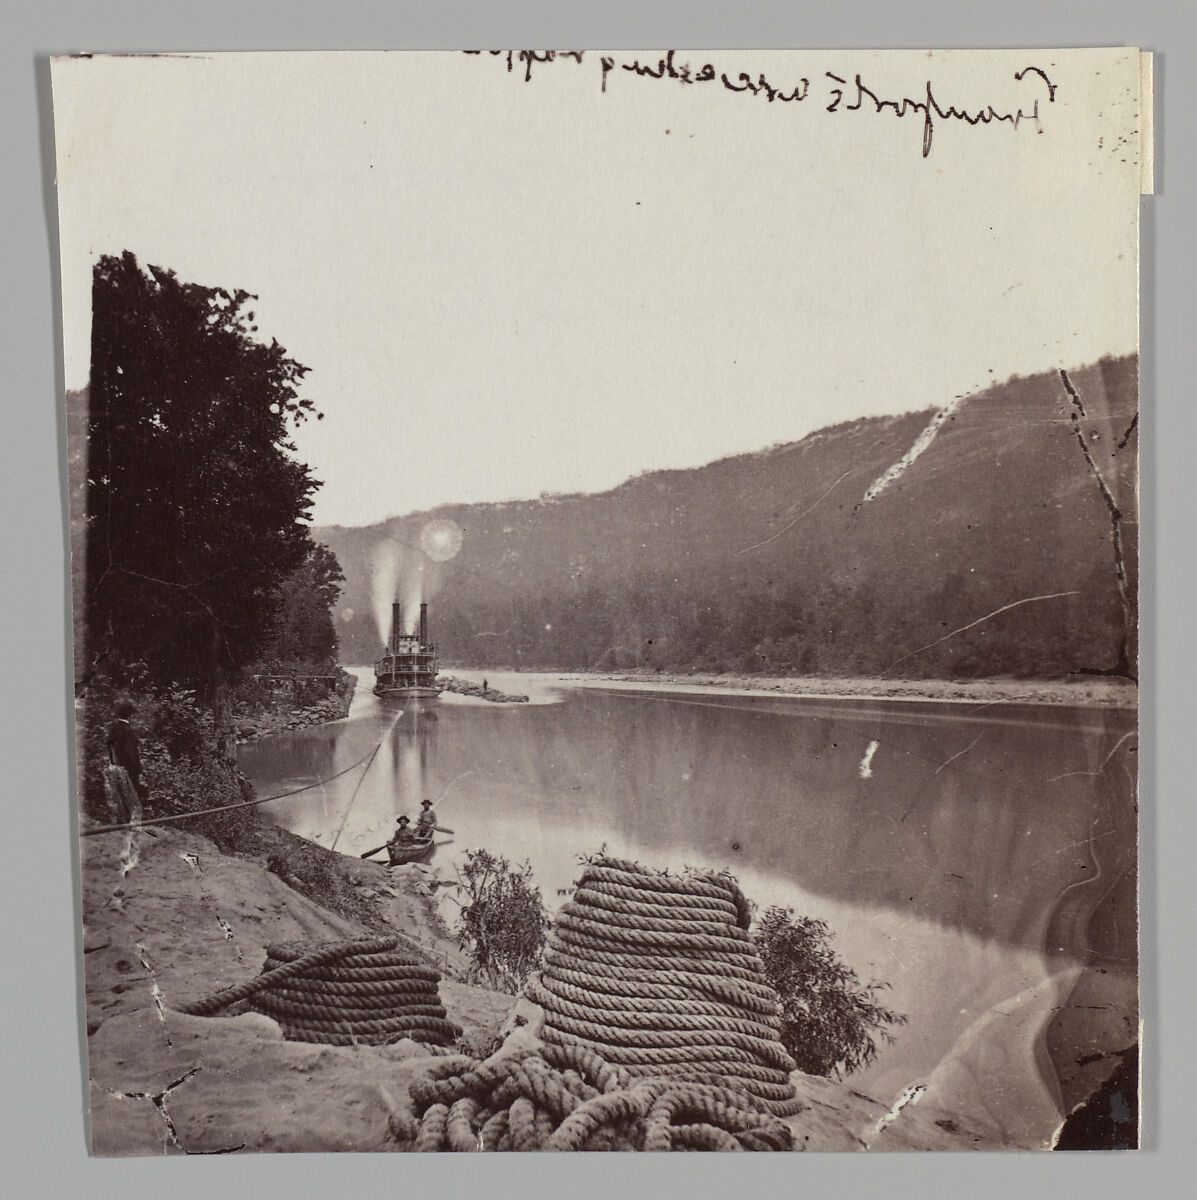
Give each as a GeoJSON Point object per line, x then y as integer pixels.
{"type": "Point", "coordinates": [663, 985]}
{"type": "Point", "coordinates": [622, 965]}
{"type": "Point", "coordinates": [459, 1125]}
{"type": "Point", "coordinates": [722, 885]}
{"type": "Point", "coordinates": [362, 995]}
{"type": "Point", "coordinates": [632, 1021]}
{"type": "Point", "coordinates": [349, 993]}
{"type": "Point", "coordinates": [641, 881]}
{"type": "Point", "coordinates": [639, 930]}
{"type": "Point", "coordinates": [756, 1083]}
{"type": "Point", "coordinates": [663, 1052]}
{"type": "Point", "coordinates": [602, 895]}
{"type": "Point", "coordinates": [376, 964]}
{"type": "Point", "coordinates": [658, 974]}
{"type": "Point", "coordinates": [273, 1003]}
{"type": "Point", "coordinates": [631, 1000]}
{"type": "Point", "coordinates": [660, 1032]}
{"type": "Point", "coordinates": [564, 1097]}
{"type": "Point", "coordinates": [613, 1038]}
{"type": "Point", "coordinates": [292, 969]}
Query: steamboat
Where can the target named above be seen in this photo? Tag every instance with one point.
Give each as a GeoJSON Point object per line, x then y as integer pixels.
{"type": "Point", "coordinates": [408, 663]}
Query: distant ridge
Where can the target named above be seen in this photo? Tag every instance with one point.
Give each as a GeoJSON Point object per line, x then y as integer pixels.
{"type": "Point", "coordinates": [856, 550]}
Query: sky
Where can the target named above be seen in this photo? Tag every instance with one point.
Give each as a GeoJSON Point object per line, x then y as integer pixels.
{"type": "Point", "coordinates": [505, 287]}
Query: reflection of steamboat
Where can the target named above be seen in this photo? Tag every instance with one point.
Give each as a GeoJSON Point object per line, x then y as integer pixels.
{"type": "Point", "coordinates": [408, 664]}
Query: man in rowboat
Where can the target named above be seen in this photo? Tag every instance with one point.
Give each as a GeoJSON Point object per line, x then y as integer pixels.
{"type": "Point", "coordinates": [403, 843]}
{"type": "Point", "coordinates": [404, 835]}
{"type": "Point", "coordinates": [426, 821]}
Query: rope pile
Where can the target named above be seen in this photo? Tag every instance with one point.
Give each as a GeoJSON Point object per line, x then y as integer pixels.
{"type": "Point", "coordinates": [562, 1097]}
{"type": "Point", "coordinates": [656, 974]}
{"type": "Point", "coordinates": [358, 993]}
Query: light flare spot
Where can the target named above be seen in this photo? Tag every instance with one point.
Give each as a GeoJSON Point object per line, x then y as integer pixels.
{"type": "Point", "coordinates": [441, 539]}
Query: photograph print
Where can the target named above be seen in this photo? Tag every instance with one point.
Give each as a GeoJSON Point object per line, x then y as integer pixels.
{"type": "Point", "coordinates": [605, 597]}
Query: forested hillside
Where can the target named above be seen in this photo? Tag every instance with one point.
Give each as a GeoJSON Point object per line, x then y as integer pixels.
{"type": "Point", "coordinates": [828, 555]}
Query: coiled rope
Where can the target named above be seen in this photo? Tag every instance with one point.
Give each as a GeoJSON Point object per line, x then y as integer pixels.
{"type": "Point", "coordinates": [660, 1032]}
{"type": "Point", "coordinates": [342, 994]}
{"type": "Point", "coordinates": [565, 1097]}
{"type": "Point", "coordinates": [658, 976]}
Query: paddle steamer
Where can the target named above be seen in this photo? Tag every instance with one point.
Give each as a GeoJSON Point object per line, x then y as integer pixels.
{"type": "Point", "coordinates": [408, 664]}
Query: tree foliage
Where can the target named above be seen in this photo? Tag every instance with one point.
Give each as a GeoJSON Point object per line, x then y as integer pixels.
{"type": "Point", "coordinates": [196, 505]}
{"type": "Point", "coordinates": [303, 630]}
{"type": "Point", "coordinates": [179, 769]}
{"type": "Point", "coordinates": [503, 923]}
{"type": "Point", "coordinates": [830, 1020]}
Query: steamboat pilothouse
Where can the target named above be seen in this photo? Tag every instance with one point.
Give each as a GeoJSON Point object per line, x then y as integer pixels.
{"type": "Point", "coordinates": [408, 664]}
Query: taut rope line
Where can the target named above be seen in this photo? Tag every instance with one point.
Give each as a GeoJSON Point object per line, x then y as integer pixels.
{"type": "Point", "coordinates": [207, 812]}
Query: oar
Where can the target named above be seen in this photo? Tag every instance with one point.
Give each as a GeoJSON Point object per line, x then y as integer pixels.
{"type": "Point", "coordinates": [370, 853]}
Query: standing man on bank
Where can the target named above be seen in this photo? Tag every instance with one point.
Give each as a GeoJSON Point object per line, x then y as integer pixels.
{"type": "Point", "coordinates": [124, 751]}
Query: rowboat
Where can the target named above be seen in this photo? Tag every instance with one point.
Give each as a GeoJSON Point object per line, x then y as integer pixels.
{"type": "Point", "coordinates": [417, 850]}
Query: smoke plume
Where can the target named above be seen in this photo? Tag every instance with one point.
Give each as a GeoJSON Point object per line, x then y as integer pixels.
{"type": "Point", "coordinates": [384, 584]}
{"type": "Point", "coordinates": [410, 574]}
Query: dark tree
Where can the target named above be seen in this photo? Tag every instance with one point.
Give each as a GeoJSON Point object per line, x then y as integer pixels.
{"type": "Point", "coordinates": [196, 506]}
{"type": "Point", "coordinates": [304, 631]}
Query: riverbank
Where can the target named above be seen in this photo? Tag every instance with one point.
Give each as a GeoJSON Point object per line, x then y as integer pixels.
{"type": "Point", "coordinates": [283, 705]}
{"type": "Point", "coordinates": [1085, 692]}
{"type": "Point", "coordinates": [170, 917]}
{"type": "Point", "coordinates": [467, 687]}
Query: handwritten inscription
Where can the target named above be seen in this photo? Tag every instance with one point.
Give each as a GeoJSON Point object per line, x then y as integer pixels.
{"type": "Point", "coordinates": [833, 93]}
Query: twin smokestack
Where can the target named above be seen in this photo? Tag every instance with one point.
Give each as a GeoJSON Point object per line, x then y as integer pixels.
{"type": "Point", "coordinates": [397, 625]}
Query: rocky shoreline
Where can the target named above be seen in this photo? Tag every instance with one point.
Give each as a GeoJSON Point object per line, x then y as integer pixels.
{"type": "Point", "coordinates": [1089, 691]}
{"type": "Point", "coordinates": [465, 687]}
{"type": "Point", "coordinates": [285, 715]}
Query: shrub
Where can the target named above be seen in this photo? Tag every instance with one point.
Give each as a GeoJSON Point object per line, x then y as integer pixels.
{"type": "Point", "coordinates": [180, 770]}
{"type": "Point", "coordinates": [504, 921]}
{"type": "Point", "coordinates": [188, 784]}
{"type": "Point", "coordinates": [176, 723]}
{"type": "Point", "coordinates": [830, 1022]}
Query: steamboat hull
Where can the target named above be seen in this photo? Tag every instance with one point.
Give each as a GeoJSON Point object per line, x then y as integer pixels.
{"type": "Point", "coordinates": [402, 690]}
{"type": "Point", "coordinates": [408, 664]}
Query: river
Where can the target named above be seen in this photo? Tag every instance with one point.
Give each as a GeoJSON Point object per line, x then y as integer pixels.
{"type": "Point", "coordinates": [978, 859]}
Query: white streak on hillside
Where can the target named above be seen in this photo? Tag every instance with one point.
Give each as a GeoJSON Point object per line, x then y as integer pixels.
{"type": "Point", "coordinates": [921, 443]}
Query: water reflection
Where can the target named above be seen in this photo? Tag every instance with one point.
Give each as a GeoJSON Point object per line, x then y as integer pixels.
{"type": "Point", "coordinates": [976, 860]}
{"type": "Point", "coordinates": [409, 749]}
